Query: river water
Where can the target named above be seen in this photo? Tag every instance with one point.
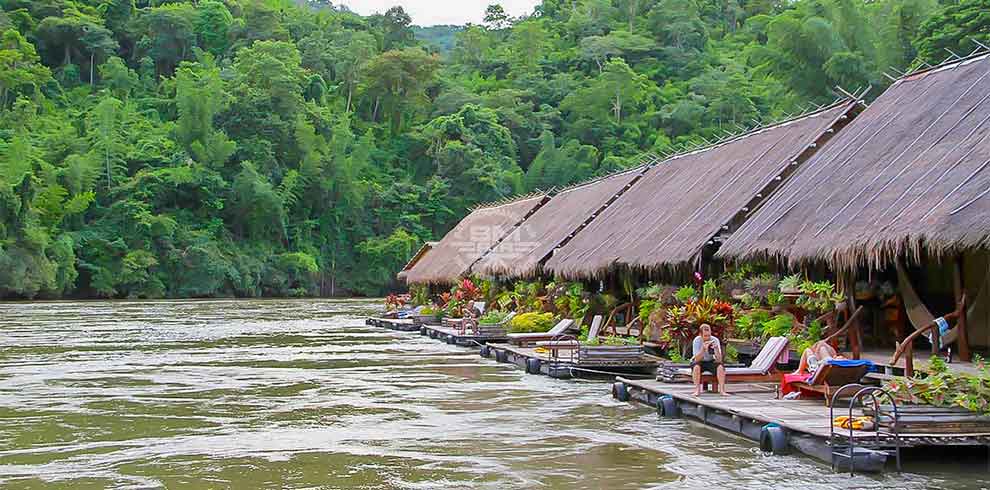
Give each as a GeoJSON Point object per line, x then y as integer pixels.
{"type": "Point", "coordinates": [302, 395]}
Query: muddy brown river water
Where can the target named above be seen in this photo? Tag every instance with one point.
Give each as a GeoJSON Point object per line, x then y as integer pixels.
{"type": "Point", "coordinates": [300, 394]}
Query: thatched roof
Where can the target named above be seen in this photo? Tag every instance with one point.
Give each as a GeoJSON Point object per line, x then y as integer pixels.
{"type": "Point", "coordinates": [415, 259]}
{"type": "Point", "coordinates": [450, 259]}
{"type": "Point", "coordinates": [668, 217]}
{"type": "Point", "coordinates": [910, 173]}
{"type": "Point", "coordinates": [521, 253]}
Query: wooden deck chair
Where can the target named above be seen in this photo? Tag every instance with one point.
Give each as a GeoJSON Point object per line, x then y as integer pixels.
{"type": "Point", "coordinates": [568, 342]}
{"type": "Point", "coordinates": [833, 375]}
{"type": "Point", "coordinates": [528, 338]}
{"type": "Point", "coordinates": [762, 369]}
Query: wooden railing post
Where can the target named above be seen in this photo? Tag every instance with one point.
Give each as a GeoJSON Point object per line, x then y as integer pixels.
{"type": "Point", "coordinates": [855, 331]}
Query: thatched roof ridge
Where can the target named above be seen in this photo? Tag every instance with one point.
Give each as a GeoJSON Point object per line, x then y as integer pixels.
{"type": "Point", "coordinates": [682, 203]}
{"type": "Point", "coordinates": [474, 235]}
{"type": "Point", "coordinates": [423, 250]}
{"type": "Point", "coordinates": [522, 253]}
{"type": "Point", "coordinates": [909, 174]}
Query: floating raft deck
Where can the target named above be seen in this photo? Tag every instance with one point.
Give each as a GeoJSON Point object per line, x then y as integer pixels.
{"type": "Point", "coordinates": [452, 336]}
{"type": "Point", "coordinates": [566, 366]}
{"type": "Point", "coordinates": [402, 325]}
{"type": "Point", "coordinates": [749, 407]}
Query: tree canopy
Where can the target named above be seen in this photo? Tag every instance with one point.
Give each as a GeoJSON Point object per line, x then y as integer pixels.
{"type": "Point", "coordinates": [271, 147]}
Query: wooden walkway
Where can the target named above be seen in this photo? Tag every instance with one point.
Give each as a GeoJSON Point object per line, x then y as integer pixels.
{"type": "Point", "coordinates": [453, 336]}
{"type": "Point", "coordinates": [749, 406]}
{"type": "Point", "coordinates": [402, 325]}
{"type": "Point", "coordinates": [539, 361]}
{"type": "Point", "coordinates": [753, 401]}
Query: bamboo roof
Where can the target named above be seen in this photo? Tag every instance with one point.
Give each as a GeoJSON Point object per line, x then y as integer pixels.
{"type": "Point", "coordinates": [669, 216]}
{"type": "Point", "coordinates": [484, 227]}
{"type": "Point", "coordinates": [522, 253]}
{"type": "Point", "coordinates": [909, 173]}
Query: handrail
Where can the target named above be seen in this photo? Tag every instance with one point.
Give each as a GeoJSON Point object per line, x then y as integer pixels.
{"type": "Point", "coordinates": [611, 318]}
{"type": "Point", "coordinates": [907, 346]}
{"type": "Point", "coordinates": [845, 327]}
{"type": "Point", "coordinates": [863, 391]}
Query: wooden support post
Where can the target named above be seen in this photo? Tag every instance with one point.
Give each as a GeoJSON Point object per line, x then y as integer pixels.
{"type": "Point", "coordinates": [855, 332]}
{"type": "Point", "coordinates": [909, 361]}
{"type": "Point", "coordinates": [963, 337]}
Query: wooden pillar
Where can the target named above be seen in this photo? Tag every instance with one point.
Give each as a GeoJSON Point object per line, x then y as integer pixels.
{"type": "Point", "coordinates": [855, 337]}
{"type": "Point", "coordinates": [962, 340]}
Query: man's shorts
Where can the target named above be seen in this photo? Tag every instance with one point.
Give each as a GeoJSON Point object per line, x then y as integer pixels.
{"type": "Point", "coordinates": [707, 366]}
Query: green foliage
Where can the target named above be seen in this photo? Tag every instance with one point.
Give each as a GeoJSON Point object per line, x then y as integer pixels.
{"type": "Point", "coordinates": [791, 283]}
{"type": "Point", "coordinates": [937, 385]}
{"type": "Point", "coordinates": [419, 294]}
{"type": "Point", "coordinates": [492, 317]}
{"type": "Point", "coordinates": [218, 148]}
{"type": "Point", "coordinates": [778, 326]}
{"type": "Point", "coordinates": [613, 340]}
{"type": "Point", "coordinates": [750, 325]}
{"type": "Point", "coordinates": [531, 323]}
{"type": "Point", "coordinates": [685, 294]}
{"type": "Point", "coordinates": [731, 353]}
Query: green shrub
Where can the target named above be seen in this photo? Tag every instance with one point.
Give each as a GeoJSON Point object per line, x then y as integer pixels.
{"type": "Point", "coordinates": [751, 325]}
{"type": "Point", "coordinates": [685, 294]}
{"type": "Point", "coordinates": [531, 323]}
{"type": "Point", "coordinates": [731, 354]}
{"type": "Point", "coordinates": [778, 326]}
{"type": "Point", "coordinates": [493, 316]}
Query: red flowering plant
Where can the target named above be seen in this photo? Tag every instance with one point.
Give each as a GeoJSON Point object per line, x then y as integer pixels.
{"type": "Point", "coordinates": [459, 297]}
{"type": "Point", "coordinates": [395, 302]}
{"type": "Point", "coordinates": [684, 319]}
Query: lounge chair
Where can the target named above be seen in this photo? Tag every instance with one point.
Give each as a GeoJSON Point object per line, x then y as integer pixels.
{"type": "Point", "coordinates": [530, 338]}
{"type": "Point", "coordinates": [567, 342]}
{"type": "Point", "coordinates": [762, 369]}
{"type": "Point", "coordinates": [833, 375]}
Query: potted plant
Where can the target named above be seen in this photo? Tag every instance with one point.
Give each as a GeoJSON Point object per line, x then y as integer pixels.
{"type": "Point", "coordinates": [791, 284]}
{"type": "Point", "coordinates": [426, 314]}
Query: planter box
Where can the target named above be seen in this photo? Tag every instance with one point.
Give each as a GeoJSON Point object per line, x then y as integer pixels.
{"type": "Point", "coordinates": [423, 319]}
{"type": "Point", "coordinates": [491, 330]}
{"type": "Point", "coordinates": [610, 352]}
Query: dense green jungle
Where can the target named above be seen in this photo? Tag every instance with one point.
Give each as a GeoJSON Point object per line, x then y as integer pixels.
{"type": "Point", "coordinates": [275, 148]}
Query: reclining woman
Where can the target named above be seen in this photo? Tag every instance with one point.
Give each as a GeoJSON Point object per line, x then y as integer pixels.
{"type": "Point", "coordinates": [812, 359]}
{"type": "Point", "coordinates": [815, 356]}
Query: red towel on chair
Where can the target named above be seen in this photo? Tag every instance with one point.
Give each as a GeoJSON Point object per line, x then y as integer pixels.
{"type": "Point", "coordinates": [786, 386]}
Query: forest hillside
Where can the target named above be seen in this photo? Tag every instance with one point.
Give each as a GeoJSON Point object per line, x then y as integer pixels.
{"type": "Point", "coordinates": [249, 148]}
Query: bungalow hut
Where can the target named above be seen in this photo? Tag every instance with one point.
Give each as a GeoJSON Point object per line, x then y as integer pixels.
{"type": "Point", "coordinates": [673, 216]}
{"type": "Point", "coordinates": [907, 181]}
{"type": "Point", "coordinates": [415, 259]}
{"type": "Point", "coordinates": [522, 253]}
{"type": "Point", "coordinates": [479, 231]}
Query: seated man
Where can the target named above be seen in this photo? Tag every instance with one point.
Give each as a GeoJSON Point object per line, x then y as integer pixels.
{"type": "Point", "coordinates": [707, 357]}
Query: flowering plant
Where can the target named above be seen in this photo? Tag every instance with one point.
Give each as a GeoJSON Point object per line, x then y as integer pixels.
{"type": "Point", "coordinates": [394, 302]}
